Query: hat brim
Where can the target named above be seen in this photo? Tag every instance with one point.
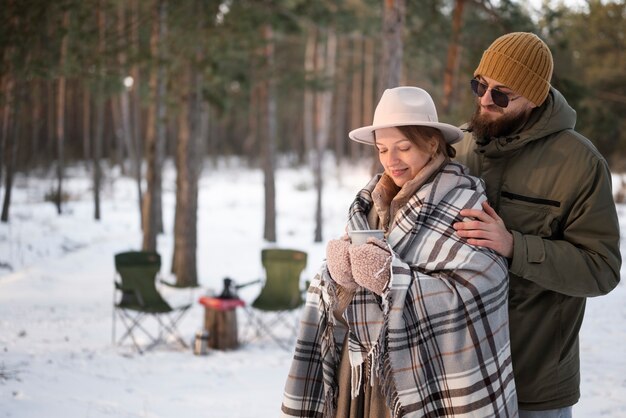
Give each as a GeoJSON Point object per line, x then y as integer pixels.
{"type": "Point", "coordinates": [365, 135]}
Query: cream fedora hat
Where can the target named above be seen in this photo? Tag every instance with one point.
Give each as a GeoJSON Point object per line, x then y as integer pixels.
{"type": "Point", "coordinates": [403, 106]}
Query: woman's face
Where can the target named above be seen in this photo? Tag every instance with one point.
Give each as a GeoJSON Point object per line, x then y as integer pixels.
{"type": "Point", "coordinates": [400, 157]}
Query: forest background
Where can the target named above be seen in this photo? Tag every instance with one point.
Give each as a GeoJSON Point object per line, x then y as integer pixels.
{"type": "Point", "coordinates": [128, 84]}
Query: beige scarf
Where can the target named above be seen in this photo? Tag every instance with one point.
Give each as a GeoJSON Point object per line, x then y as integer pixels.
{"type": "Point", "coordinates": [388, 197]}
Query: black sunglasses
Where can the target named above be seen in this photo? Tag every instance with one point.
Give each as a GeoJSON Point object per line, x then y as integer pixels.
{"type": "Point", "coordinates": [499, 98]}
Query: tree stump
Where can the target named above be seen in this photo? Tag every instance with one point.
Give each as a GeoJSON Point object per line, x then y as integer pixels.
{"type": "Point", "coordinates": [222, 328]}
{"type": "Point", "coordinates": [220, 320]}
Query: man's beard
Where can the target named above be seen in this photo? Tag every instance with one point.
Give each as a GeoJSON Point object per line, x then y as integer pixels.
{"type": "Point", "coordinates": [484, 127]}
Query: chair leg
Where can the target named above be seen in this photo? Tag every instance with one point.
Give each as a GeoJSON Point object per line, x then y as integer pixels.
{"type": "Point", "coordinates": [267, 327]}
{"type": "Point", "coordinates": [113, 328]}
{"type": "Point", "coordinates": [174, 326]}
{"type": "Point", "coordinates": [131, 323]}
{"type": "Point", "coordinates": [252, 329]}
{"type": "Point", "coordinates": [248, 329]}
{"type": "Point", "coordinates": [135, 322]}
{"type": "Point", "coordinates": [113, 316]}
{"type": "Point", "coordinates": [172, 329]}
{"type": "Point", "coordinates": [129, 328]}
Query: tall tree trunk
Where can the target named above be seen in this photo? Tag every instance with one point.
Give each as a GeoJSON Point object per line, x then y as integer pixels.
{"type": "Point", "coordinates": [136, 109]}
{"type": "Point", "coordinates": [268, 121]}
{"type": "Point", "coordinates": [341, 103]}
{"type": "Point", "coordinates": [118, 134]}
{"type": "Point", "coordinates": [50, 140]}
{"type": "Point", "coordinates": [369, 96]}
{"type": "Point", "coordinates": [449, 76]}
{"type": "Point", "coordinates": [60, 112]}
{"type": "Point", "coordinates": [7, 86]}
{"type": "Point", "coordinates": [309, 92]}
{"type": "Point", "coordinates": [97, 142]}
{"type": "Point", "coordinates": [155, 133]}
{"type": "Point", "coordinates": [250, 144]}
{"type": "Point", "coordinates": [97, 155]}
{"type": "Point", "coordinates": [129, 98]}
{"type": "Point", "coordinates": [161, 117]}
{"type": "Point", "coordinates": [356, 100]}
{"type": "Point", "coordinates": [35, 132]}
{"type": "Point", "coordinates": [187, 163]}
{"type": "Point", "coordinates": [124, 99]}
{"type": "Point", "coordinates": [326, 63]}
{"type": "Point", "coordinates": [189, 159]}
{"type": "Point", "coordinates": [391, 62]}
{"type": "Point", "coordinates": [86, 123]}
{"type": "Point", "coordinates": [10, 153]}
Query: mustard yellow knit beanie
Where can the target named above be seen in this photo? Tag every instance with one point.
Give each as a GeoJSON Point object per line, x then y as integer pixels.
{"type": "Point", "coordinates": [520, 61]}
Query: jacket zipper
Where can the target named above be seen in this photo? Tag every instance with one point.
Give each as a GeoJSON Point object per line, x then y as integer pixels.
{"type": "Point", "coordinates": [531, 199]}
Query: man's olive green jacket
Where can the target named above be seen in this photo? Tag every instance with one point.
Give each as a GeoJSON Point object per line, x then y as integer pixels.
{"type": "Point", "coordinates": [552, 188]}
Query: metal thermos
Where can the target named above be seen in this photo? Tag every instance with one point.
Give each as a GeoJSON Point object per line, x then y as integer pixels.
{"type": "Point", "coordinates": [201, 343]}
{"type": "Point", "coordinates": [230, 290]}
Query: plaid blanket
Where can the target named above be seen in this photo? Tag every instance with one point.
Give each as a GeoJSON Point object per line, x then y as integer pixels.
{"type": "Point", "coordinates": [437, 338]}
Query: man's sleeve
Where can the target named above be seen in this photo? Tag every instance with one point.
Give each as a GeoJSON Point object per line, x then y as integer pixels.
{"type": "Point", "coordinates": [586, 261]}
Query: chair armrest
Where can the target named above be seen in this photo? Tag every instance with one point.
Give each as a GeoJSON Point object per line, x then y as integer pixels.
{"type": "Point", "coordinates": [241, 286]}
{"type": "Point", "coordinates": [166, 283]}
{"type": "Point", "coordinates": [174, 285]}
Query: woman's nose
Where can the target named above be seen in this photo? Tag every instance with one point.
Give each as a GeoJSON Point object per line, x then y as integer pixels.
{"type": "Point", "coordinates": [392, 156]}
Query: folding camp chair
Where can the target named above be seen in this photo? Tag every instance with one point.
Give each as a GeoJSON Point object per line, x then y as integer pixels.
{"type": "Point", "coordinates": [280, 297]}
{"type": "Point", "coordinates": [138, 299]}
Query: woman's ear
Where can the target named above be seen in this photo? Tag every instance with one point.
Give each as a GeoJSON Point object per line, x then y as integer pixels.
{"type": "Point", "coordinates": [433, 145]}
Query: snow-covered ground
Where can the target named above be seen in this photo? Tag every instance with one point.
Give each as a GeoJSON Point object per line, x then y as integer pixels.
{"type": "Point", "coordinates": [56, 296]}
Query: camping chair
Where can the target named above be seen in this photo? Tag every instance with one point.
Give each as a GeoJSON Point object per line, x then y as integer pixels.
{"type": "Point", "coordinates": [280, 296]}
{"type": "Point", "coordinates": [140, 299]}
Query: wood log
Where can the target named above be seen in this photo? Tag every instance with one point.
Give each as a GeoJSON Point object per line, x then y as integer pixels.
{"type": "Point", "coordinates": [222, 328]}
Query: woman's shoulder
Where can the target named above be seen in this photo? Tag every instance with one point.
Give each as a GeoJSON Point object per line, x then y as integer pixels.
{"type": "Point", "coordinates": [458, 175]}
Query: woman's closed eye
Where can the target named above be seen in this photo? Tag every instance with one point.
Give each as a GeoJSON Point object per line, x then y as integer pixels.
{"type": "Point", "coordinates": [401, 149]}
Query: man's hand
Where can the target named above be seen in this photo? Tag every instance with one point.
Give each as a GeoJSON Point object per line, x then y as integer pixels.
{"type": "Point", "coordinates": [486, 230]}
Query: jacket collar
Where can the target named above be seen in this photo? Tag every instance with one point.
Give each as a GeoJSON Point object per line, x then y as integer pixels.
{"type": "Point", "coordinates": [554, 115]}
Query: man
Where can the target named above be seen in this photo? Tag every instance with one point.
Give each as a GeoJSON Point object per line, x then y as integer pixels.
{"type": "Point", "coordinates": [552, 215]}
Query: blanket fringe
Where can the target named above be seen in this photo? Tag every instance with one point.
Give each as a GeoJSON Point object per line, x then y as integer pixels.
{"type": "Point", "coordinates": [357, 379]}
{"type": "Point", "coordinates": [372, 362]}
{"type": "Point", "coordinates": [387, 384]}
{"type": "Point", "coordinates": [330, 403]}
{"type": "Point", "coordinates": [384, 368]}
{"type": "Point", "coordinates": [329, 350]}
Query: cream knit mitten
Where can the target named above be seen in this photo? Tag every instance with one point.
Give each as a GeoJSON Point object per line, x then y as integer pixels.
{"type": "Point", "coordinates": [371, 264]}
{"type": "Point", "coordinates": [338, 262]}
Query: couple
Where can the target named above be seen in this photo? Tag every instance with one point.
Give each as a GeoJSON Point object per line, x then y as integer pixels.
{"type": "Point", "coordinates": [472, 303]}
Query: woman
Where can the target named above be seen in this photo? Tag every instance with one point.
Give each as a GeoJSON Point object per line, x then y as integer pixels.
{"type": "Point", "coordinates": [415, 325]}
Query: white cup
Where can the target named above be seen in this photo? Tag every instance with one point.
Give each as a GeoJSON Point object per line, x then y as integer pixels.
{"type": "Point", "coordinates": [360, 237]}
